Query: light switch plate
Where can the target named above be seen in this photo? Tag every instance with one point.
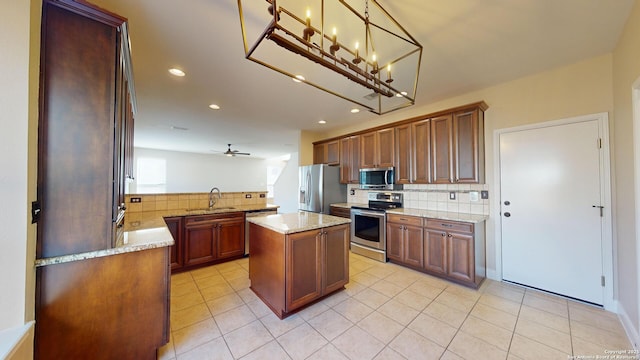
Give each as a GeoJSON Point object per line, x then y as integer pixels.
{"type": "Point", "coordinates": [452, 195]}
{"type": "Point", "coordinates": [484, 194]}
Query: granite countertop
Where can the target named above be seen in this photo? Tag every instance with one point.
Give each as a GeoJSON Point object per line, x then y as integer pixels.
{"type": "Point", "coordinates": [298, 222]}
{"type": "Point", "coordinates": [432, 214]}
{"type": "Point", "coordinates": [147, 230]}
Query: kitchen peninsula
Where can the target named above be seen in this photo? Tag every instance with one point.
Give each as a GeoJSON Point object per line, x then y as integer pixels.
{"type": "Point", "coordinates": [297, 258]}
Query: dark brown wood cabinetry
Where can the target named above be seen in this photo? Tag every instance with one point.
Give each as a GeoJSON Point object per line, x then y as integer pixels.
{"type": "Point", "coordinates": [405, 240]}
{"type": "Point", "coordinates": [327, 153]}
{"type": "Point", "coordinates": [340, 211]}
{"type": "Point", "coordinates": [440, 148]}
{"type": "Point", "coordinates": [421, 152]}
{"type": "Point", "coordinates": [449, 249]}
{"type": "Point", "coordinates": [313, 264]}
{"type": "Point", "coordinates": [316, 264]}
{"type": "Point", "coordinates": [377, 148]}
{"type": "Point", "coordinates": [90, 308]}
{"type": "Point", "coordinates": [404, 154]}
{"type": "Point", "coordinates": [84, 93]}
{"type": "Point", "coordinates": [176, 228]}
{"type": "Point", "coordinates": [350, 160]}
{"type": "Point", "coordinates": [202, 240]}
{"type": "Point", "coordinates": [468, 146]}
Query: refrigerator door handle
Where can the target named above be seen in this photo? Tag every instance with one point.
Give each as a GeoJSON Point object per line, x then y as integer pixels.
{"type": "Point", "coordinates": [308, 199]}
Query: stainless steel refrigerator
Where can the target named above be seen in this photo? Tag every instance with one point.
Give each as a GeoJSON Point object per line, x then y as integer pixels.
{"type": "Point", "coordinates": [320, 187]}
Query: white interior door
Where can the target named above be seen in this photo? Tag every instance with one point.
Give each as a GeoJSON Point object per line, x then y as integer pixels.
{"type": "Point", "coordinates": [551, 231]}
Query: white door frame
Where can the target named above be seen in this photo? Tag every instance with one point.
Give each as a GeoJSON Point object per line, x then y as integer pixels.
{"type": "Point", "coordinates": [605, 181]}
{"type": "Point", "coordinates": [635, 101]}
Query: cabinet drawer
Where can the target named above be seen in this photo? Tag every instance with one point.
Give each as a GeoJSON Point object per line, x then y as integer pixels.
{"type": "Point", "coordinates": [404, 219]}
{"type": "Point", "coordinates": [446, 225]}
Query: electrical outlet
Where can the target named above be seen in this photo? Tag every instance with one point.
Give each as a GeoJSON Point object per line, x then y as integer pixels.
{"type": "Point", "coordinates": [136, 199]}
{"type": "Point", "coordinates": [352, 191]}
{"type": "Point", "coordinates": [263, 195]}
{"type": "Point", "coordinates": [452, 195]}
{"type": "Point", "coordinates": [247, 196]}
{"type": "Point", "coordinates": [473, 196]}
{"type": "Point", "coordinates": [484, 194]}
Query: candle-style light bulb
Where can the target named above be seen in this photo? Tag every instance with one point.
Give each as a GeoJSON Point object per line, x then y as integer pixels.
{"type": "Point", "coordinates": [389, 79]}
{"type": "Point", "coordinates": [356, 59]}
{"type": "Point", "coordinates": [308, 31]}
{"type": "Point", "coordinates": [374, 59]}
{"type": "Point", "coordinates": [334, 42]}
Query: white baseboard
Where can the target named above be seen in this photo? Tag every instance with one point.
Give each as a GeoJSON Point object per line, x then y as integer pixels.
{"type": "Point", "coordinates": [627, 324]}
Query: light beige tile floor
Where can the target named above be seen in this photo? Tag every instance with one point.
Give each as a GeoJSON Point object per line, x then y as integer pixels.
{"type": "Point", "coordinates": [385, 312]}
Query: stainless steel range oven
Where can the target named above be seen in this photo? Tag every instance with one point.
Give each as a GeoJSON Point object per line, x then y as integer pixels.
{"type": "Point", "coordinates": [368, 225]}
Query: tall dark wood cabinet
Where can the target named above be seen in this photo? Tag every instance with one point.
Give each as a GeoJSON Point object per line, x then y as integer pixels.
{"type": "Point", "coordinates": [102, 307]}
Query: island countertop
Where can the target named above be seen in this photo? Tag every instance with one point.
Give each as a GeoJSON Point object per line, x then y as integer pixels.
{"type": "Point", "coordinates": [298, 222]}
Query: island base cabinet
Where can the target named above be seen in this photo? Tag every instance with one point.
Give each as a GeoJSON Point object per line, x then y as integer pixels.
{"type": "Point", "coordinates": [289, 271]}
{"type": "Point", "coordinates": [112, 307]}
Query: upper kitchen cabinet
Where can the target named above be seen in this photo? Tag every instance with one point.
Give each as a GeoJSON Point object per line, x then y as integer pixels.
{"type": "Point", "coordinates": [421, 152]}
{"type": "Point", "coordinates": [404, 154]}
{"type": "Point", "coordinates": [377, 148]}
{"type": "Point", "coordinates": [327, 152]}
{"type": "Point", "coordinates": [468, 146]}
{"type": "Point", "coordinates": [457, 146]}
{"type": "Point", "coordinates": [441, 149]}
{"type": "Point", "coordinates": [85, 127]}
{"type": "Point", "coordinates": [350, 160]}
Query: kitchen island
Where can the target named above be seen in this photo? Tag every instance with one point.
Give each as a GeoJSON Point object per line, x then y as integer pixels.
{"type": "Point", "coordinates": [297, 259]}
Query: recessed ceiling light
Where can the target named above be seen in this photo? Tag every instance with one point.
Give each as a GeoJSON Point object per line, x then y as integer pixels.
{"type": "Point", "coordinates": [298, 78]}
{"type": "Point", "coordinates": [322, 122]}
{"type": "Point", "coordinates": [214, 107]}
{"type": "Point", "coordinates": [173, 127]}
{"type": "Point", "coordinates": [176, 72]}
{"type": "Point", "coordinates": [355, 110]}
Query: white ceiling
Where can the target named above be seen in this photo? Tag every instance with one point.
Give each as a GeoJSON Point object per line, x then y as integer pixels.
{"type": "Point", "coordinates": [468, 45]}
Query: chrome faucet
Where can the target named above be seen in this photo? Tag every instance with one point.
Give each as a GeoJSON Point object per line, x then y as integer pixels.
{"type": "Point", "coordinates": [211, 200]}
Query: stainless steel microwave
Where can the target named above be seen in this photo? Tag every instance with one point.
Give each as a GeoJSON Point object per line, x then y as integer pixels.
{"type": "Point", "coordinates": [377, 178]}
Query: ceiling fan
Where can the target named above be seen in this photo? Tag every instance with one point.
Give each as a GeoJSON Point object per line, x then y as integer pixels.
{"type": "Point", "coordinates": [230, 152]}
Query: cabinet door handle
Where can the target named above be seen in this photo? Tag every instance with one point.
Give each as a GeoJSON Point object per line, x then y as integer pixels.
{"type": "Point", "coordinates": [444, 234]}
{"type": "Point", "coordinates": [449, 235]}
{"type": "Point", "coordinates": [446, 225]}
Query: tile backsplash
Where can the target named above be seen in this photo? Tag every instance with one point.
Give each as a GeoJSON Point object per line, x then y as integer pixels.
{"type": "Point", "coordinates": [435, 197]}
{"type": "Point", "coordinates": [183, 201]}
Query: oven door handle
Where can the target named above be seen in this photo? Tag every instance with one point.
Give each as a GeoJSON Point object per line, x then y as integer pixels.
{"type": "Point", "coordinates": [368, 213]}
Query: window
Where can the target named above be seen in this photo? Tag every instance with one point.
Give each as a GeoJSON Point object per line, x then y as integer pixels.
{"type": "Point", "coordinates": [152, 176]}
{"type": "Point", "coordinates": [273, 172]}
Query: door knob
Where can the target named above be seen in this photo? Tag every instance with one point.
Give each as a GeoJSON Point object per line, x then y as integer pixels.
{"type": "Point", "coordinates": [507, 214]}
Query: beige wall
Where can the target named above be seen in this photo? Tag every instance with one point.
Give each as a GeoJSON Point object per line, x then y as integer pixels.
{"type": "Point", "coordinates": [18, 101]}
{"type": "Point", "coordinates": [626, 69]}
{"type": "Point", "coordinates": [578, 89]}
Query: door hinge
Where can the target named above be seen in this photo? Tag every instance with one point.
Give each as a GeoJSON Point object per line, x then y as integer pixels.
{"type": "Point", "coordinates": [602, 282]}
{"type": "Point", "coordinates": [35, 211]}
{"type": "Point", "coordinates": [599, 143]}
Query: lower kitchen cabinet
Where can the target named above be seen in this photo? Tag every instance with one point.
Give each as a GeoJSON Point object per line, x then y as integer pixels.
{"type": "Point", "coordinates": [316, 264]}
{"type": "Point", "coordinates": [111, 307]}
{"type": "Point", "coordinates": [289, 271]}
{"type": "Point", "coordinates": [450, 249]}
{"type": "Point", "coordinates": [405, 240]}
{"type": "Point", "coordinates": [176, 228]}
{"type": "Point", "coordinates": [202, 240]}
